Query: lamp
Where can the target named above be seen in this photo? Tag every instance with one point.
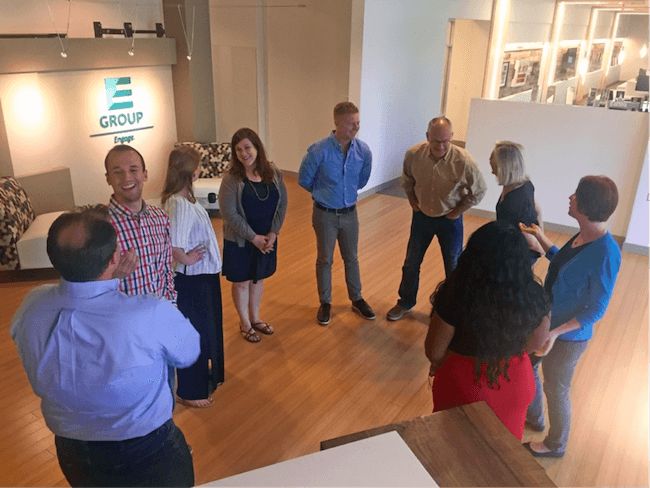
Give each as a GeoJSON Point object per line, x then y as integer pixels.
{"type": "Point", "coordinates": [190, 44]}
{"type": "Point", "coordinates": [644, 51]}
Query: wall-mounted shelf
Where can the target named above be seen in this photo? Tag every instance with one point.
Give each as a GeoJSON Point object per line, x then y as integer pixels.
{"type": "Point", "coordinates": [43, 55]}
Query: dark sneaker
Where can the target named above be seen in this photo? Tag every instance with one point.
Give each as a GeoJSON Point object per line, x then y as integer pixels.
{"type": "Point", "coordinates": [397, 312]}
{"type": "Point", "coordinates": [323, 315]}
{"type": "Point", "coordinates": [362, 307]}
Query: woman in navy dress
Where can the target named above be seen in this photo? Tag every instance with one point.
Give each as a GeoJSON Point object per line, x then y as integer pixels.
{"type": "Point", "coordinates": [253, 203]}
{"type": "Point", "coordinates": [517, 200]}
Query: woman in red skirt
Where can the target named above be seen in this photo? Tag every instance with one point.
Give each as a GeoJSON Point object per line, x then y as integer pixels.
{"type": "Point", "coordinates": [486, 316]}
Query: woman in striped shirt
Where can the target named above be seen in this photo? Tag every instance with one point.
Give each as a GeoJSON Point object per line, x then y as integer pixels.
{"type": "Point", "coordinates": [197, 265]}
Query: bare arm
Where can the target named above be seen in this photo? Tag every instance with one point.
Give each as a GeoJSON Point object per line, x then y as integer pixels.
{"type": "Point", "coordinates": [190, 257]}
{"type": "Point", "coordinates": [437, 341]}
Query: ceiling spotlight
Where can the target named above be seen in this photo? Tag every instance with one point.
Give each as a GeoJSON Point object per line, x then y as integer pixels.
{"type": "Point", "coordinates": [131, 52]}
{"type": "Point", "coordinates": [64, 54]}
{"type": "Point", "coordinates": [189, 57]}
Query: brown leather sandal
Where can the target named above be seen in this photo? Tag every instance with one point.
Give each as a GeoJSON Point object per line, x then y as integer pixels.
{"type": "Point", "coordinates": [250, 335]}
{"type": "Point", "coordinates": [263, 327]}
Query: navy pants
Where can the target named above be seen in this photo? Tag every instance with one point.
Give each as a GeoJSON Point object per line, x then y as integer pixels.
{"type": "Point", "coordinates": [160, 458]}
{"type": "Point", "coordinates": [423, 230]}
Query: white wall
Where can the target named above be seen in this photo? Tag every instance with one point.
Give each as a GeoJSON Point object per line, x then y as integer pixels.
{"type": "Point", "coordinates": [49, 119]}
{"type": "Point", "coordinates": [32, 16]}
{"type": "Point", "coordinates": [235, 36]}
{"type": "Point", "coordinates": [530, 21]}
{"type": "Point", "coordinates": [637, 231]}
{"type": "Point", "coordinates": [466, 70]}
{"type": "Point", "coordinates": [402, 74]}
{"type": "Point", "coordinates": [563, 143]}
{"type": "Point", "coordinates": [308, 59]}
{"type": "Point", "coordinates": [289, 66]}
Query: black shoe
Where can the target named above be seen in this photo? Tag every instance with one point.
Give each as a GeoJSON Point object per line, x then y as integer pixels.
{"type": "Point", "coordinates": [323, 315]}
{"type": "Point", "coordinates": [549, 454]}
{"type": "Point", "coordinates": [362, 307]}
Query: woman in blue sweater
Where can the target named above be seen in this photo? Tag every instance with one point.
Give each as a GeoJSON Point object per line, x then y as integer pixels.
{"type": "Point", "coordinates": [580, 280]}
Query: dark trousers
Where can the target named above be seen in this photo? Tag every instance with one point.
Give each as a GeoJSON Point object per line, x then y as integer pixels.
{"type": "Point", "coordinates": [423, 230]}
{"type": "Point", "coordinates": [199, 299]}
{"type": "Point", "coordinates": [160, 458]}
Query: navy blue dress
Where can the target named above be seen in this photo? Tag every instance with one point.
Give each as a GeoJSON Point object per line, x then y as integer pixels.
{"type": "Point", "coordinates": [519, 206]}
{"type": "Point", "coordinates": [260, 201]}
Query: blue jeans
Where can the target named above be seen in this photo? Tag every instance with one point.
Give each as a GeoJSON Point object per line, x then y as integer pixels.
{"type": "Point", "coordinates": [423, 230]}
{"type": "Point", "coordinates": [558, 367]}
{"type": "Point", "coordinates": [160, 458]}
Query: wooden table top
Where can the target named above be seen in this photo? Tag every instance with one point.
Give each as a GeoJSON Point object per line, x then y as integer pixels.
{"type": "Point", "coordinates": [464, 446]}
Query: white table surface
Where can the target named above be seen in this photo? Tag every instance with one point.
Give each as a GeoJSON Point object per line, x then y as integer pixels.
{"type": "Point", "coordinates": [382, 460]}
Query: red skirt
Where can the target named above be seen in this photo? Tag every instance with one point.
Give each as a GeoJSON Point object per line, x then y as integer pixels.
{"type": "Point", "coordinates": [455, 385]}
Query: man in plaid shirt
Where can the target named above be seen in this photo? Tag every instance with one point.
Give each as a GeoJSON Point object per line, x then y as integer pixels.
{"type": "Point", "coordinates": [142, 230]}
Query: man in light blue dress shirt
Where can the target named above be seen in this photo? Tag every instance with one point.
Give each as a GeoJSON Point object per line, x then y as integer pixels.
{"type": "Point", "coordinates": [99, 360]}
{"type": "Point", "coordinates": [333, 171]}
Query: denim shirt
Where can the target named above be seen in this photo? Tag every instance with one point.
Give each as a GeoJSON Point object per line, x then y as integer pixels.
{"type": "Point", "coordinates": [332, 177]}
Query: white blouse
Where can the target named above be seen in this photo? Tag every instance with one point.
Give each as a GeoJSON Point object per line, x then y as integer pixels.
{"type": "Point", "coordinates": [191, 226]}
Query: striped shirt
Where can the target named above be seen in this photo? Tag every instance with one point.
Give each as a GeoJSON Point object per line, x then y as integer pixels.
{"type": "Point", "coordinates": [191, 226]}
{"type": "Point", "coordinates": [148, 233]}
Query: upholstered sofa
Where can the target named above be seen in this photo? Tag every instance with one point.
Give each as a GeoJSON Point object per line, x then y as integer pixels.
{"type": "Point", "coordinates": [28, 206]}
{"type": "Point", "coordinates": [22, 232]}
{"type": "Point", "coordinates": [215, 160]}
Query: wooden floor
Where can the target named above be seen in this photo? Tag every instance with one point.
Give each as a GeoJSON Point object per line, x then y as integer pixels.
{"type": "Point", "coordinates": [308, 383]}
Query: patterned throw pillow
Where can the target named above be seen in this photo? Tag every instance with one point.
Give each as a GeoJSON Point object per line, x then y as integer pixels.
{"type": "Point", "coordinates": [16, 215]}
{"type": "Point", "coordinates": [215, 157]}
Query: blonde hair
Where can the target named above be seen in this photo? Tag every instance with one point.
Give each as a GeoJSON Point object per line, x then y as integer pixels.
{"type": "Point", "coordinates": [183, 161]}
{"type": "Point", "coordinates": [509, 161]}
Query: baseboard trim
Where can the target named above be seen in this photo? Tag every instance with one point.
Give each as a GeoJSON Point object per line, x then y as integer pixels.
{"type": "Point", "coordinates": [20, 275]}
{"type": "Point", "coordinates": [636, 249]}
{"type": "Point", "coordinates": [378, 188]}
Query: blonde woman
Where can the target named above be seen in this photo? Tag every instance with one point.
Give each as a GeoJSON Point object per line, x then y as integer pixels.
{"type": "Point", "coordinates": [516, 203]}
{"type": "Point", "coordinates": [197, 265]}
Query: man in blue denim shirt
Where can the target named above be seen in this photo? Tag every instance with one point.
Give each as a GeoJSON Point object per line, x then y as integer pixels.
{"type": "Point", "coordinates": [333, 171]}
{"type": "Point", "coordinates": [99, 361]}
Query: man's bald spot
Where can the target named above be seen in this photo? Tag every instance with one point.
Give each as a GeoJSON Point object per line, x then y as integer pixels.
{"type": "Point", "coordinates": [73, 236]}
{"type": "Point", "coordinates": [441, 121]}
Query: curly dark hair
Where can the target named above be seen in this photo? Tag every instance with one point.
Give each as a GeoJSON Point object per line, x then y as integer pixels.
{"type": "Point", "coordinates": [501, 301]}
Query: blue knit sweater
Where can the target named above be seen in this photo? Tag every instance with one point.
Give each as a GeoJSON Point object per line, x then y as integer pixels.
{"type": "Point", "coordinates": [584, 286]}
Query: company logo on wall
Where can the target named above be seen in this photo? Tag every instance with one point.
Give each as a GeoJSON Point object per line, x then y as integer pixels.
{"type": "Point", "coordinates": [121, 116]}
{"type": "Point", "coordinates": [118, 93]}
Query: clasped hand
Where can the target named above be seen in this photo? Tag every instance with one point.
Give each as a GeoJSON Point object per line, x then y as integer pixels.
{"type": "Point", "coordinates": [266, 243]}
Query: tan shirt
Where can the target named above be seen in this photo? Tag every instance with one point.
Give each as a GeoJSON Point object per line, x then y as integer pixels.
{"type": "Point", "coordinates": [443, 185]}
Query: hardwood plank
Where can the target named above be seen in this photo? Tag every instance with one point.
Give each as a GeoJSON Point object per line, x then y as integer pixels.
{"type": "Point", "coordinates": [307, 383]}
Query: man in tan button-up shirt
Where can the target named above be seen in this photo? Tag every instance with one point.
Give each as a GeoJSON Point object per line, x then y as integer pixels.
{"type": "Point", "coordinates": [441, 182]}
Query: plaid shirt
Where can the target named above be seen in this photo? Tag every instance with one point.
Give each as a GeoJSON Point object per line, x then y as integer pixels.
{"type": "Point", "coordinates": [148, 232]}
